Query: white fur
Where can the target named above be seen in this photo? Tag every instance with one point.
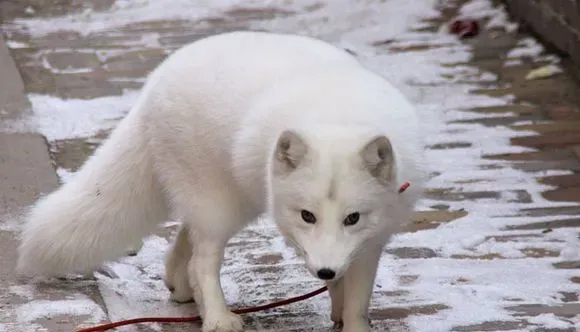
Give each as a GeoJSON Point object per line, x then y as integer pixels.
{"type": "Point", "coordinates": [202, 143]}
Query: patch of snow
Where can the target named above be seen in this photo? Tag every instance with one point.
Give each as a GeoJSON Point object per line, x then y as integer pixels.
{"type": "Point", "coordinates": [64, 174]}
{"type": "Point", "coordinates": [29, 10]}
{"type": "Point", "coordinates": [26, 292]}
{"type": "Point", "coordinates": [571, 252]}
{"type": "Point", "coordinates": [479, 292]}
{"type": "Point", "coordinates": [58, 118]}
{"type": "Point", "coordinates": [125, 12]}
{"type": "Point", "coordinates": [549, 321]}
{"type": "Point", "coordinates": [12, 44]}
{"type": "Point", "coordinates": [527, 47]}
{"type": "Point", "coordinates": [47, 65]}
{"type": "Point", "coordinates": [512, 62]}
{"type": "Point", "coordinates": [78, 305]}
{"type": "Point", "coordinates": [10, 222]}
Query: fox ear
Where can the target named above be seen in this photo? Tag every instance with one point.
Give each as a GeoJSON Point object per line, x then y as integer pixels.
{"type": "Point", "coordinates": [377, 156]}
{"type": "Point", "coordinates": [290, 151]}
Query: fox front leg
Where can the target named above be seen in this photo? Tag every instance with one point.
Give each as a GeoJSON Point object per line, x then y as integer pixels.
{"type": "Point", "coordinates": [358, 287]}
{"type": "Point", "coordinates": [177, 278]}
{"type": "Point", "coordinates": [336, 291]}
{"type": "Point", "coordinates": [204, 271]}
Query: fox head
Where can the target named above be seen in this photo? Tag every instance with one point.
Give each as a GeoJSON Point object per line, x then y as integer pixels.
{"type": "Point", "coordinates": [332, 193]}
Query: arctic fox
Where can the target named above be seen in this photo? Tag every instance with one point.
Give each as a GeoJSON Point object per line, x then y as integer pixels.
{"type": "Point", "coordinates": [226, 129]}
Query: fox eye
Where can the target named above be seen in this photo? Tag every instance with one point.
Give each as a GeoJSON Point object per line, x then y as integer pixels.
{"type": "Point", "coordinates": [351, 219]}
{"type": "Point", "coordinates": [308, 216]}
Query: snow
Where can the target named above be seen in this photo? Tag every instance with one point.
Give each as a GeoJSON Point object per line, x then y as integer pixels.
{"type": "Point", "coordinates": [59, 119]}
{"type": "Point", "coordinates": [475, 291]}
{"type": "Point", "coordinates": [549, 321]}
{"type": "Point", "coordinates": [124, 12]}
{"type": "Point", "coordinates": [15, 44]}
{"type": "Point", "coordinates": [23, 291]}
{"type": "Point", "coordinates": [527, 47]}
{"type": "Point", "coordinates": [80, 305]}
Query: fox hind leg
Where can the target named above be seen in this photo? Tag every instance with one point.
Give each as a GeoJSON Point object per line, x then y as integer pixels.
{"type": "Point", "coordinates": [177, 278]}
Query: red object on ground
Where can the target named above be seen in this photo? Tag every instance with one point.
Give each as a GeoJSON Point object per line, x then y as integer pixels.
{"type": "Point", "coordinates": [465, 28]}
{"type": "Point", "coordinates": [404, 187]}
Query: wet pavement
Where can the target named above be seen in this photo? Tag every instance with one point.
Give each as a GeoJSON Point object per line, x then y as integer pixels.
{"type": "Point", "coordinates": [494, 246]}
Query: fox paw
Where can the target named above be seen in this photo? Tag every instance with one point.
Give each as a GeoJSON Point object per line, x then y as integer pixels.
{"type": "Point", "coordinates": [181, 297]}
{"type": "Point", "coordinates": [225, 322]}
{"type": "Point", "coordinates": [336, 317]}
{"type": "Point", "coordinates": [179, 294]}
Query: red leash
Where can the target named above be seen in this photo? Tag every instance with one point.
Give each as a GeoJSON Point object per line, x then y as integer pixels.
{"type": "Point", "coordinates": [193, 319]}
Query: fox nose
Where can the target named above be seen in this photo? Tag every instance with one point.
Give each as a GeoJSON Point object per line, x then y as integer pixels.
{"type": "Point", "coordinates": [325, 274]}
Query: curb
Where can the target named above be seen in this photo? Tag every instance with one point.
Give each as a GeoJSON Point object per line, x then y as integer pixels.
{"type": "Point", "coordinates": [13, 101]}
{"type": "Point", "coordinates": [26, 169]}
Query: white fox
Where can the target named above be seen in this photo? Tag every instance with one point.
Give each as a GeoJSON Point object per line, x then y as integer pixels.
{"type": "Point", "coordinates": [226, 129]}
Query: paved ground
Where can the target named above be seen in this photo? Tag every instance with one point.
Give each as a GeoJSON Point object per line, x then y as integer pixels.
{"type": "Point", "coordinates": [494, 246]}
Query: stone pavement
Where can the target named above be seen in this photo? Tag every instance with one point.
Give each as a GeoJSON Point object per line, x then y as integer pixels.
{"type": "Point", "coordinates": [71, 64]}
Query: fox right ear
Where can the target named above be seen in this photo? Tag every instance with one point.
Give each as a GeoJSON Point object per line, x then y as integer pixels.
{"type": "Point", "coordinates": [290, 151]}
{"type": "Point", "coordinates": [378, 158]}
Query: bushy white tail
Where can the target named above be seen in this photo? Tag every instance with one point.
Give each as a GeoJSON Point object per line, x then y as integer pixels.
{"type": "Point", "coordinates": [111, 203]}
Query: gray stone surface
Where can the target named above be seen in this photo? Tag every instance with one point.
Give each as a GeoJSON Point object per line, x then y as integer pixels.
{"type": "Point", "coordinates": [12, 98]}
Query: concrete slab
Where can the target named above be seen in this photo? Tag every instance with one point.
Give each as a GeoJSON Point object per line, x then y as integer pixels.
{"type": "Point", "coordinates": [12, 99]}
{"type": "Point", "coordinates": [25, 170]}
